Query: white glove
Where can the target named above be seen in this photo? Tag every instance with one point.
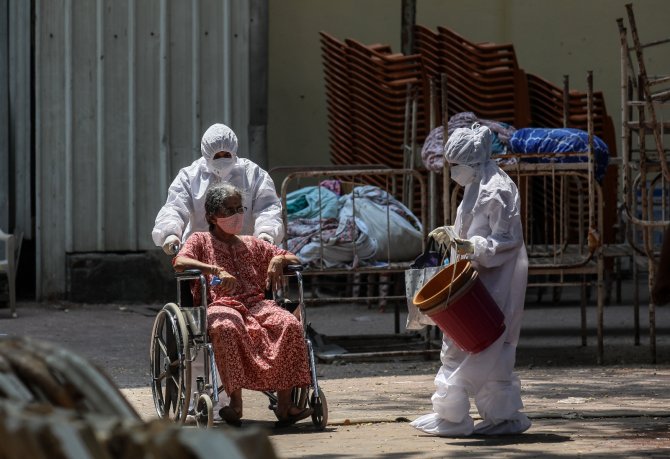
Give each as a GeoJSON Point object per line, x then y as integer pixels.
{"type": "Point", "coordinates": [464, 247]}
{"type": "Point", "coordinates": [171, 245]}
{"type": "Point", "coordinates": [443, 235]}
{"type": "Point", "coordinates": [266, 237]}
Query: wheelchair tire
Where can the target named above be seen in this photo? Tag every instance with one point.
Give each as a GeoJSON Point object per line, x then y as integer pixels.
{"type": "Point", "coordinates": [204, 412]}
{"type": "Point", "coordinates": [170, 364]}
{"type": "Point", "coordinates": [320, 406]}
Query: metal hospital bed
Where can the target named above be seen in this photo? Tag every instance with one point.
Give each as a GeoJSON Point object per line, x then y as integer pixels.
{"type": "Point", "coordinates": [378, 274]}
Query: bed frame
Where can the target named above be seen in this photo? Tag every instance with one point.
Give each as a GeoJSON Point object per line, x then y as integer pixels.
{"type": "Point", "coordinates": [383, 288]}
{"type": "Point", "coordinates": [562, 218]}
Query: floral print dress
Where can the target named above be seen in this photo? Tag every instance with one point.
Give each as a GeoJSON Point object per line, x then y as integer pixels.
{"type": "Point", "coordinates": [258, 345]}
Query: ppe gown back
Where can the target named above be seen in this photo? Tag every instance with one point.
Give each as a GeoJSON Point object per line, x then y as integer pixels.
{"type": "Point", "coordinates": [489, 217]}
{"type": "Point", "coordinates": [184, 210]}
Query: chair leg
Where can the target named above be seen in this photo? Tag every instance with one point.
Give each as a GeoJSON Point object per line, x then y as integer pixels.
{"type": "Point", "coordinates": [11, 281]}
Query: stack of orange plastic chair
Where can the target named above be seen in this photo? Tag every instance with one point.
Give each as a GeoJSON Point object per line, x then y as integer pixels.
{"type": "Point", "coordinates": [367, 88]}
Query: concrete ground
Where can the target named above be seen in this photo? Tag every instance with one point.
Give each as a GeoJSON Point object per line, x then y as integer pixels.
{"type": "Point", "coordinates": [578, 408]}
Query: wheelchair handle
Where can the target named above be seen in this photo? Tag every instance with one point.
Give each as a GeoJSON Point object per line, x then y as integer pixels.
{"type": "Point", "coordinates": [174, 248]}
{"type": "Point", "coordinates": [294, 268]}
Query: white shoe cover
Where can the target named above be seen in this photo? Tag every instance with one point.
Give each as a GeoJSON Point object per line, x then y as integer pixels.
{"type": "Point", "coordinates": [509, 427]}
{"type": "Point", "coordinates": [435, 425]}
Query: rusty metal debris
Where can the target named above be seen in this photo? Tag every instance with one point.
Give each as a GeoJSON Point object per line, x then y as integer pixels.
{"type": "Point", "coordinates": [54, 403]}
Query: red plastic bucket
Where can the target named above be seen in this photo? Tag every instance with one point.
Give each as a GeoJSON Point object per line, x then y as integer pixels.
{"type": "Point", "coordinates": [457, 301]}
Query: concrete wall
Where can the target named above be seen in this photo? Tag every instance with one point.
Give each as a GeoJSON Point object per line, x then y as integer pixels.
{"type": "Point", "coordinates": [551, 39]}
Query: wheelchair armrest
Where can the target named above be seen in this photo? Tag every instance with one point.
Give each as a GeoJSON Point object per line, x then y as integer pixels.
{"type": "Point", "coordinates": [188, 273]}
{"type": "Point", "coordinates": [293, 268]}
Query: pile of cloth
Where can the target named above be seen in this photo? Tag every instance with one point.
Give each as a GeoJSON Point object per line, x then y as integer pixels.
{"type": "Point", "coordinates": [367, 226]}
{"type": "Point", "coordinates": [432, 153]}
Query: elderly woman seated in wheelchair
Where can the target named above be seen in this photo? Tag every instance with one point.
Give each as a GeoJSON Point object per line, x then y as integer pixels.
{"type": "Point", "coordinates": [257, 344]}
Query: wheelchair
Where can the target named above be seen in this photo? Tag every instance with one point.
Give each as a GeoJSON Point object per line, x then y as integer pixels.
{"type": "Point", "coordinates": [179, 337]}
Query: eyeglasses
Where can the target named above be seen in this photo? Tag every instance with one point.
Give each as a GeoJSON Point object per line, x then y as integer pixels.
{"type": "Point", "coordinates": [230, 211]}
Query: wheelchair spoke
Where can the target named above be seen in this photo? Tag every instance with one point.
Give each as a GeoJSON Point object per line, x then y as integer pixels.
{"type": "Point", "coordinates": [175, 381]}
{"type": "Point", "coordinates": [160, 377]}
{"type": "Point", "coordinates": [162, 346]}
{"type": "Point", "coordinates": [169, 395]}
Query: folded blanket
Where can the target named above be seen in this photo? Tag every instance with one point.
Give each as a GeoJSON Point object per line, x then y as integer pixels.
{"type": "Point", "coordinates": [563, 140]}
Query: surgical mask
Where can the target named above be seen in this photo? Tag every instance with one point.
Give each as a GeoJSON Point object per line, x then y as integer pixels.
{"type": "Point", "coordinates": [232, 224]}
{"type": "Point", "coordinates": [222, 166]}
{"type": "Point", "coordinates": [462, 174]}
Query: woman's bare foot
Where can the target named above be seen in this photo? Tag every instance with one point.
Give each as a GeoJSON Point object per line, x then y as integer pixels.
{"type": "Point", "coordinates": [236, 401]}
{"type": "Point", "coordinates": [287, 413]}
{"type": "Point", "coordinates": [294, 410]}
{"type": "Point", "coordinates": [284, 404]}
{"type": "Point", "coordinates": [232, 413]}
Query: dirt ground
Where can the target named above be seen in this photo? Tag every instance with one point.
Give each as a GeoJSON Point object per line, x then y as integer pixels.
{"type": "Point", "coordinates": [578, 408]}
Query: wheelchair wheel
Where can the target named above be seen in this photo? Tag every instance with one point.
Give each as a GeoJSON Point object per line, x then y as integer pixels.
{"type": "Point", "coordinates": [318, 403]}
{"type": "Point", "coordinates": [170, 364]}
{"type": "Point", "coordinates": [204, 412]}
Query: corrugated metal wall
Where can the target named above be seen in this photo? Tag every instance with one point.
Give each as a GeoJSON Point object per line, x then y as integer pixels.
{"type": "Point", "coordinates": [5, 159]}
{"type": "Point", "coordinates": [20, 110]}
{"type": "Point", "coordinates": [15, 118]}
{"type": "Point", "coordinates": [124, 90]}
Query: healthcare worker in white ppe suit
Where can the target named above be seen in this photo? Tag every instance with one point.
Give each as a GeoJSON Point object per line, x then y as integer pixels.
{"type": "Point", "coordinates": [184, 210]}
{"type": "Point", "coordinates": [488, 230]}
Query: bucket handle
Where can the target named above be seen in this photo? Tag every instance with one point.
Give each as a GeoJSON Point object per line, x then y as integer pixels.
{"type": "Point", "coordinates": [456, 259]}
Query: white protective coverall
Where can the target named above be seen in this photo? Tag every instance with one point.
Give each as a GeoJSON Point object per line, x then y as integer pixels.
{"type": "Point", "coordinates": [184, 210]}
{"type": "Point", "coordinates": [488, 217]}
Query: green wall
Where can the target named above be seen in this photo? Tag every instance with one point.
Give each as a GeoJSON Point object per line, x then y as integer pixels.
{"type": "Point", "coordinates": [551, 39]}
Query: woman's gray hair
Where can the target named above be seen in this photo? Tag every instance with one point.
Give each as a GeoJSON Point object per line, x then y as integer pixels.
{"type": "Point", "coordinates": [217, 195]}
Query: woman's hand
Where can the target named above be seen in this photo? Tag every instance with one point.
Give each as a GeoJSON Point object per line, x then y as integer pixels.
{"type": "Point", "coordinates": [228, 282]}
{"type": "Point", "coordinates": [275, 272]}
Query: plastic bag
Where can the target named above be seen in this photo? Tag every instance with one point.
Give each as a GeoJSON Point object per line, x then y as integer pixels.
{"type": "Point", "coordinates": [425, 266]}
{"type": "Point", "coordinates": [414, 280]}
{"type": "Point", "coordinates": [396, 235]}
{"type": "Point", "coordinates": [430, 257]}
